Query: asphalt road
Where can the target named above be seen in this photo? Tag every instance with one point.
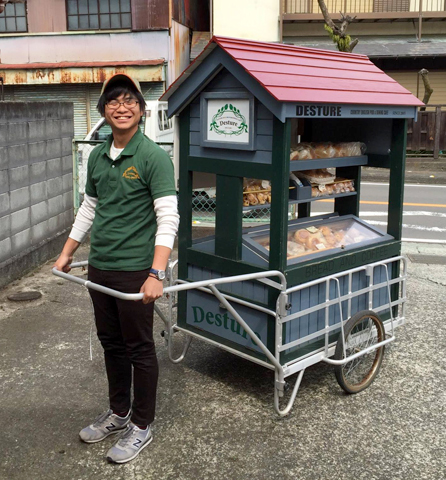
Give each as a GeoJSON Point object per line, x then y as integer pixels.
{"type": "Point", "coordinates": [424, 214]}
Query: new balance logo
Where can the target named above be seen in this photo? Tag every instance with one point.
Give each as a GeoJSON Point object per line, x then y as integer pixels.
{"type": "Point", "coordinates": [137, 443]}
{"type": "Point", "coordinates": [110, 427]}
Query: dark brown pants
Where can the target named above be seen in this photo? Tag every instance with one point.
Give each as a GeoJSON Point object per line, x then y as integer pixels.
{"type": "Point", "coordinates": [125, 329]}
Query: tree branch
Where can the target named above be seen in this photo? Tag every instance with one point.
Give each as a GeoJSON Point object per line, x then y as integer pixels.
{"type": "Point", "coordinates": [338, 32]}
{"type": "Point", "coordinates": [428, 90]}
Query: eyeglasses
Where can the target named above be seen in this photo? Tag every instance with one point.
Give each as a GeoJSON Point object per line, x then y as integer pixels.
{"type": "Point", "coordinates": [114, 104]}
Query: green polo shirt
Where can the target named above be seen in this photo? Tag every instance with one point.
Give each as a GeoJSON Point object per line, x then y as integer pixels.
{"type": "Point", "coordinates": [124, 227]}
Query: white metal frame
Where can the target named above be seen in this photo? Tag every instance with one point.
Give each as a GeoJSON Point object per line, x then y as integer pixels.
{"type": "Point", "coordinates": [281, 316]}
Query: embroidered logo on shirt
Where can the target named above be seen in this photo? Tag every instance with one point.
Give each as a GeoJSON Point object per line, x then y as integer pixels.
{"type": "Point", "coordinates": [131, 173]}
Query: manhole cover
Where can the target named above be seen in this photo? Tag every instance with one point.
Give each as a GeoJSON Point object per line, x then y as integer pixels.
{"type": "Point", "coordinates": [24, 296]}
{"type": "Point", "coordinates": [429, 259]}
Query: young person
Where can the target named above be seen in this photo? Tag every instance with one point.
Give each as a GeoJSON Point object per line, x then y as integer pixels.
{"type": "Point", "coordinates": [130, 203]}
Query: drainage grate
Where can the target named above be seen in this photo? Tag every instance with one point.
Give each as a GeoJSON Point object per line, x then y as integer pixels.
{"type": "Point", "coordinates": [429, 259]}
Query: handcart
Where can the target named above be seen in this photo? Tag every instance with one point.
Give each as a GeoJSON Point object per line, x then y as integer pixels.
{"type": "Point", "coordinates": [355, 345]}
{"type": "Point", "coordinates": [280, 127]}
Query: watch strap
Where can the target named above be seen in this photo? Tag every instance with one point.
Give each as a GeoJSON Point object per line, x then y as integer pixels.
{"type": "Point", "coordinates": [156, 273]}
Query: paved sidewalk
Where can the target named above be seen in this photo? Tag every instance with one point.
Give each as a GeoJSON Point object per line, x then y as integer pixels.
{"type": "Point", "coordinates": [215, 417]}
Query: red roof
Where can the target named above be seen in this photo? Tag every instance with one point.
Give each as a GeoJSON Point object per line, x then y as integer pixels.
{"type": "Point", "coordinates": [300, 74]}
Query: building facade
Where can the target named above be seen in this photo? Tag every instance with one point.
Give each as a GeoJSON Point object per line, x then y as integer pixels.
{"type": "Point", "coordinates": [400, 36]}
{"type": "Point", "coordinates": [65, 49]}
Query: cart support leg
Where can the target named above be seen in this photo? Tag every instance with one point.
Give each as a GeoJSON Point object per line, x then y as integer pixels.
{"type": "Point", "coordinates": [290, 404]}
{"type": "Point", "coordinates": [168, 322]}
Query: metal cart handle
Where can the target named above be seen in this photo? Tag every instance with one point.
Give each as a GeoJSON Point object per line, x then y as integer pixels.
{"type": "Point", "coordinates": [174, 288]}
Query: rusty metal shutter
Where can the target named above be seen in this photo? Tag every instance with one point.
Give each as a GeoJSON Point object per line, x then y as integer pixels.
{"type": "Point", "coordinates": [84, 97]}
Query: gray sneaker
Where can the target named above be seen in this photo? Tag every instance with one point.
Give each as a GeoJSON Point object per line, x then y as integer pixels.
{"type": "Point", "coordinates": [131, 442]}
{"type": "Point", "coordinates": [106, 424]}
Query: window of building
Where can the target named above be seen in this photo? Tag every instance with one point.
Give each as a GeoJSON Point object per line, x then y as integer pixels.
{"type": "Point", "coordinates": [98, 14]}
{"type": "Point", "coordinates": [13, 18]}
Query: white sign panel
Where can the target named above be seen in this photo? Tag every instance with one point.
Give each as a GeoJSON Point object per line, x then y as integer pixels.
{"type": "Point", "coordinates": [228, 120]}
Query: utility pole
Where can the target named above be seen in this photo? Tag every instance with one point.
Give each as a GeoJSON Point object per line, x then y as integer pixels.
{"type": "Point", "coordinates": [420, 20]}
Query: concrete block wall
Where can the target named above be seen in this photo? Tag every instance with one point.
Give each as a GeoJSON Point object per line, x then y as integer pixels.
{"type": "Point", "coordinates": [36, 183]}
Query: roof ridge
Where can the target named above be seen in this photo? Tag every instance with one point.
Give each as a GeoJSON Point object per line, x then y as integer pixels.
{"type": "Point", "coordinates": [388, 79]}
{"type": "Point", "coordinates": [284, 46]}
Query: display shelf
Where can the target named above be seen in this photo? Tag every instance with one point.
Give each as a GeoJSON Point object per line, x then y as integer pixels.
{"type": "Point", "coordinates": [257, 207]}
{"type": "Point", "coordinates": [304, 200]}
{"type": "Point", "coordinates": [299, 165]}
{"type": "Point", "coordinates": [324, 197]}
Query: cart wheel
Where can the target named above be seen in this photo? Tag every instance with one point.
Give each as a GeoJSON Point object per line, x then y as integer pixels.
{"type": "Point", "coordinates": [363, 330]}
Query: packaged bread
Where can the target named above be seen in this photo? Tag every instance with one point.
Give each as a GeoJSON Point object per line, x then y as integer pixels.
{"type": "Point", "coordinates": [252, 199]}
{"type": "Point", "coordinates": [350, 149]}
{"type": "Point", "coordinates": [315, 192]}
{"type": "Point", "coordinates": [320, 175]}
{"type": "Point", "coordinates": [301, 236]}
{"type": "Point", "coordinates": [302, 151]}
{"type": "Point", "coordinates": [245, 201]}
{"type": "Point", "coordinates": [338, 187]}
{"type": "Point", "coordinates": [251, 184]}
{"type": "Point", "coordinates": [324, 150]}
{"type": "Point", "coordinates": [261, 197]}
{"type": "Point", "coordinates": [329, 189]}
{"type": "Point", "coordinates": [294, 249]}
{"type": "Point", "coordinates": [315, 242]}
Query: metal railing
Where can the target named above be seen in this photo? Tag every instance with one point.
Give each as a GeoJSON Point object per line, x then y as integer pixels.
{"type": "Point", "coordinates": [364, 6]}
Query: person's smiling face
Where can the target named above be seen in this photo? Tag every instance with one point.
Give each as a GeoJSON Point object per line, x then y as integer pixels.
{"type": "Point", "coordinates": [122, 117]}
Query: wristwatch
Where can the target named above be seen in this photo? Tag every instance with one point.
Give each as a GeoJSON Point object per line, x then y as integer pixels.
{"type": "Point", "coordinates": [159, 274]}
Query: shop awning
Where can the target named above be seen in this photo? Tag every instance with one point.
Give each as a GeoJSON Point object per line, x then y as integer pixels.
{"type": "Point", "coordinates": [80, 72]}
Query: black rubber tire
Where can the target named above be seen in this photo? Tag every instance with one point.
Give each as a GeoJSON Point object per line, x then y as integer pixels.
{"type": "Point", "coordinates": [357, 323]}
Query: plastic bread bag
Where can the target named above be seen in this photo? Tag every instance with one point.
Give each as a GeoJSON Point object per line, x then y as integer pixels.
{"type": "Point", "coordinates": [324, 150]}
{"type": "Point", "coordinates": [261, 197]}
{"type": "Point", "coordinates": [315, 192]}
{"type": "Point", "coordinates": [302, 151]}
{"type": "Point", "coordinates": [351, 149]}
{"type": "Point", "coordinates": [320, 175]}
{"type": "Point", "coordinates": [252, 199]}
{"type": "Point", "coordinates": [265, 185]}
{"type": "Point", "coordinates": [338, 187]}
{"type": "Point", "coordinates": [349, 186]}
{"type": "Point", "coordinates": [251, 184]}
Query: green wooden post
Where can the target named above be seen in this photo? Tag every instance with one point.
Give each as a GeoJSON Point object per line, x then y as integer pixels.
{"type": "Point", "coordinates": [279, 194]}
{"type": "Point", "coordinates": [185, 195]}
{"type": "Point", "coordinates": [396, 180]}
{"type": "Point", "coordinates": [228, 219]}
{"type": "Point", "coordinates": [396, 190]}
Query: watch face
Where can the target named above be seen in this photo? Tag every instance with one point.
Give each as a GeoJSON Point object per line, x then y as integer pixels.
{"type": "Point", "coordinates": [161, 274]}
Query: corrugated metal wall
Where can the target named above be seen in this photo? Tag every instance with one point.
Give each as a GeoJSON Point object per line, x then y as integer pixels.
{"type": "Point", "coordinates": [80, 95]}
{"type": "Point", "coordinates": [408, 79]}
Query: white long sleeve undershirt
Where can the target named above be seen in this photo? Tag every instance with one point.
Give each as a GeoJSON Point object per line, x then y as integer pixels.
{"type": "Point", "coordinates": [167, 219]}
{"type": "Point", "coordinates": [166, 211]}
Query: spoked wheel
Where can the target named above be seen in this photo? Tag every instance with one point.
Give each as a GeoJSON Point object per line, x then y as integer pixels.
{"type": "Point", "coordinates": [362, 331]}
